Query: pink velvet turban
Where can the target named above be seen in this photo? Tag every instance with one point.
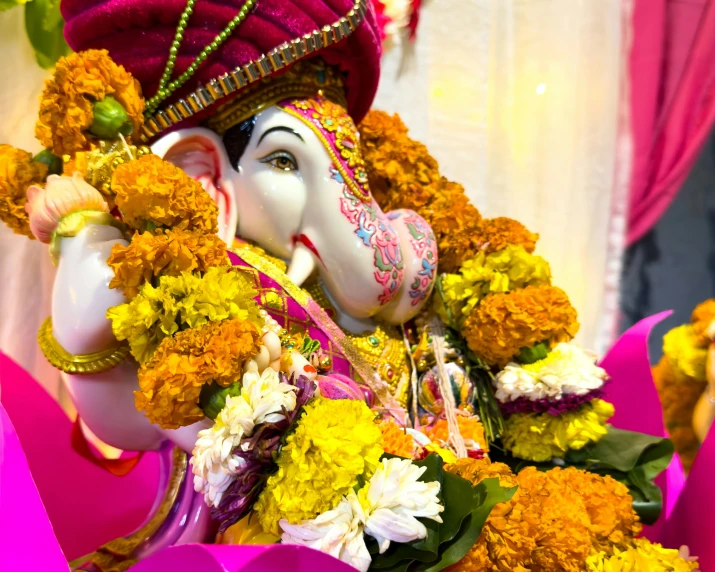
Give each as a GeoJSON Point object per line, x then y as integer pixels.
{"type": "Point", "coordinates": [138, 34]}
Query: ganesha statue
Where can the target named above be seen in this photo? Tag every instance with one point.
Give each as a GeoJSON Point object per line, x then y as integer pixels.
{"type": "Point", "coordinates": [274, 142]}
{"type": "Point", "coordinates": [274, 288]}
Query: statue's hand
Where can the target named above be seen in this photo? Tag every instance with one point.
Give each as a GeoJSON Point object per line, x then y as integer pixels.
{"type": "Point", "coordinates": [73, 217]}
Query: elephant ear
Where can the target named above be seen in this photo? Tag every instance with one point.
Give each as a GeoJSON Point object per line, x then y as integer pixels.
{"type": "Point", "coordinates": [202, 155]}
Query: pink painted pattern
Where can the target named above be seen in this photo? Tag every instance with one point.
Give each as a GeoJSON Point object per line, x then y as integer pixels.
{"type": "Point", "coordinates": [424, 245]}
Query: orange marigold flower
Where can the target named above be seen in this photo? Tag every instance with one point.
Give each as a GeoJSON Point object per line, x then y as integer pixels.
{"type": "Point", "coordinates": [151, 190]}
{"type": "Point", "coordinates": [702, 317]}
{"type": "Point", "coordinates": [166, 253]}
{"type": "Point", "coordinates": [17, 172]}
{"type": "Point", "coordinates": [171, 381]}
{"type": "Point", "coordinates": [403, 175]}
{"type": "Point", "coordinates": [609, 506]}
{"type": "Point", "coordinates": [476, 470]}
{"type": "Point", "coordinates": [504, 323]}
{"type": "Point", "coordinates": [66, 106]}
{"type": "Point", "coordinates": [679, 395]}
{"type": "Point", "coordinates": [498, 233]}
{"type": "Point", "coordinates": [544, 527]}
{"type": "Point", "coordinates": [395, 440]}
{"type": "Point", "coordinates": [470, 427]}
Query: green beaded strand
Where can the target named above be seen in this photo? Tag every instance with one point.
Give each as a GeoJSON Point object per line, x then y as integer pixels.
{"type": "Point", "coordinates": [166, 88]}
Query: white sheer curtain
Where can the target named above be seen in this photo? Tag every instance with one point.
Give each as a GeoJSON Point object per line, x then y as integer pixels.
{"type": "Point", "coordinates": [25, 266]}
{"type": "Point", "coordinates": [519, 101]}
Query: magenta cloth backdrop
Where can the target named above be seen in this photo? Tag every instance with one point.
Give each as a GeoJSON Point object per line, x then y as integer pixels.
{"type": "Point", "coordinates": [672, 96]}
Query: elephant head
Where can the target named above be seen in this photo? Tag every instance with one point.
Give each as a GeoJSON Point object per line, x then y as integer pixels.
{"type": "Point", "coordinates": [292, 180]}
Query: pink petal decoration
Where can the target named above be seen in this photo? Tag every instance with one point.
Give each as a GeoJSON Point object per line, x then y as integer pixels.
{"type": "Point", "coordinates": [216, 558]}
{"type": "Point", "coordinates": [27, 541]}
{"type": "Point", "coordinates": [86, 505]}
{"type": "Point", "coordinates": [638, 408]}
{"type": "Point", "coordinates": [692, 521]}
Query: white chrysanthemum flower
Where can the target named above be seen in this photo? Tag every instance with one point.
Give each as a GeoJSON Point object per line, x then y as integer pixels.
{"type": "Point", "coordinates": [262, 399]}
{"type": "Point", "coordinates": [567, 370]}
{"type": "Point", "coordinates": [267, 395]}
{"type": "Point", "coordinates": [386, 508]}
{"type": "Point", "coordinates": [393, 500]}
{"type": "Point", "coordinates": [213, 465]}
{"type": "Point", "coordinates": [338, 532]}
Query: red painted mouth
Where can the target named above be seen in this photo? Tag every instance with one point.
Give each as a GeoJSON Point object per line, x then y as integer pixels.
{"type": "Point", "coordinates": [305, 241]}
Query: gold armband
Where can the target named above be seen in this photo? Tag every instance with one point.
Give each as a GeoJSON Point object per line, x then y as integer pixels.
{"type": "Point", "coordinates": [97, 362]}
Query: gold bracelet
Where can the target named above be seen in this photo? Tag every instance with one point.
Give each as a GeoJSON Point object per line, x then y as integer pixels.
{"type": "Point", "coordinates": [97, 362]}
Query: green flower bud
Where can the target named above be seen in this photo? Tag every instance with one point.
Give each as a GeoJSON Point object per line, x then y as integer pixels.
{"type": "Point", "coordinates": [53, 162]}
{"type": "Point", "coordinates": [534, 354]}
{"type": "Point", "coordinates": [212, 398]}
{"type": "Point", "coordinates": [110, 119]}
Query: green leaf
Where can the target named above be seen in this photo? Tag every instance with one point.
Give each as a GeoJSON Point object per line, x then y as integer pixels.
{"type": "Point", "coordinates": [7, 4]}
{"type": "Point", "coordinates": [634, 459]}
{"type": "Point", "coordinates": [488, 494]}
{"type": "Point", "coordinates": [466, 510]}
{"type": "Point", "coordinates": [45, 26]}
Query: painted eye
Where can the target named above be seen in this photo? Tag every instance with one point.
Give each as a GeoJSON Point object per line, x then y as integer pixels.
{"type": "Point", "coordinates": [281, 160]}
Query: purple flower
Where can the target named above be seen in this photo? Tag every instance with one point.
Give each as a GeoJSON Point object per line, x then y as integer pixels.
{"type": "Point", "coordinates": [259, 453]}
{"type": "Point", "coordinates": [569, 402]}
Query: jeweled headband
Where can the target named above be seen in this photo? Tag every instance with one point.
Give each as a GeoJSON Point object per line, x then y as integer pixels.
{"type": "Point", "coordinates": [268, 91]}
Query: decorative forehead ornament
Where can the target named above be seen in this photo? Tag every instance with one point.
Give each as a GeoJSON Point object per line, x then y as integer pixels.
{"type": "Point", "coordinates": [338, 134]}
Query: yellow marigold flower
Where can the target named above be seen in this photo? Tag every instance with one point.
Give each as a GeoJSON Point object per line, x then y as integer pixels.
{"type": "Point", "coordinates": [184, 301]}
{"type": "Point", "coordinates": [500, 271]}
{"type": "Point", "coordinates": [170, 383]}
{"type": "Point", "coordinates": [395, 440]}
{"type": "Point", "coordinates": [613, 522]}
{"type": "Point", "coordinates": [166, 253]}
{"type": "Point", "coordinates": [403, 175]}
{"type": "Point", "coordinates": [497, 233]}
{"type": "Point", "coordinates": [336, 443]}
{"type": "Point", "coordinates": [66, 106]}
{"type": "Point", "coordinates": [642, 554]}
{"type": "Point", "coordinates": [470, 427]}
{"type": "Point", "coordinates": [681, 346]}
{"type": "Point", "coordinates": [502, 324]}
{"type": "Point", "coordinates": [702, 318]}
{"type": "Point", "coordinates": [540, 436]}
{"type": "Point", "coordinates": [17, 172]}
{"type": "Point", "coordinates": [151, 190]}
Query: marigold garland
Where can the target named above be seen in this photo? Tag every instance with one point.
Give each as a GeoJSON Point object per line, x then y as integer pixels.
{"type": "Point", "coordinates": [17, 172]}
{"type": "Point", "coordinates": [498, 233]}
{"type": "Point", "coordinates": [179, 302]}
{"type": "Point", "coordinates": [150, 191]}
{"type": "Point", "coordinates": [66, 106]}
{"type": "Point", "coordinates": [679, 395]}
{"type": "Point", "coordinates": [165, 253]}
{"type": "Point", "coordinates": [403, 175]}
{"type": "Point", "coordinates": [503, 323]}
{"type": "Point", "coordinates": [682, 347]}
{"type": "Point", "coordinates": [702, 317]}
{"type": "Point", "coordinates": [170, 383]}
{"type": "Point", "coordinates": [641, 554]}
{"type": "Point", "coordinates": [540, 436]}
{"type": "Point", "coordinates": [396, 441]}
{"type": "Point", "coordinates": [502, 271]}
{"type": "Point", "coordinates": [335, 443]}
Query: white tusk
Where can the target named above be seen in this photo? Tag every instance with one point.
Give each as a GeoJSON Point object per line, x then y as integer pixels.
{"type": "Point", "coordinates": [301, 265]}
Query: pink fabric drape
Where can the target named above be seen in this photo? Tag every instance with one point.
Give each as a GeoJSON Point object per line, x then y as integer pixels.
{"type": "Point", "coordinates": [672, 83]}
